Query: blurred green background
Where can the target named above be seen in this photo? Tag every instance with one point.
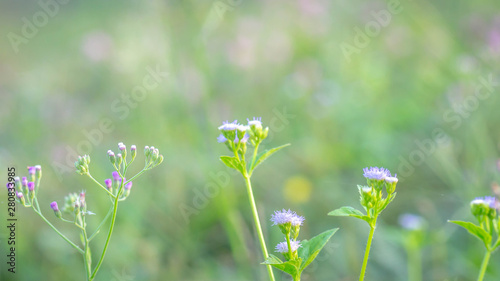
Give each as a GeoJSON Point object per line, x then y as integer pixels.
{"type": "Point", "coordinates": [409, 85]}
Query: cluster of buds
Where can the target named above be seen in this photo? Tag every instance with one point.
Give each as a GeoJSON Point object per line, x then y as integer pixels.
{"type": "Point", "coordinates": [82, 164]}
{"type": "Point", "coordinates": [236, 136]}
{"type": "Point", "coordinates": [371, 196]}
{"type": "Point", "coordinates": [74, 204]}
{"type": "Point", "coordinates": [27, 187]}
{"type": "Point", "coordinates": [289, 223]}
{"type": "Point", "coordinates": [113, 185]}
{"type": "Point", "coordinates": [485, 211]}
{"type": "Point", "coordinates": [153, 157]}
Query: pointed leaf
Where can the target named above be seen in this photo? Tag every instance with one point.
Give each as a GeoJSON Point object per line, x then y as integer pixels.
{"type": "Point", "coordinates": [348, 211]}
{"type": "Point", "coordinates": [308, 250]}
{"type": "Point", "coordinates": [265, 154]}
{"type": "Point", "coordinates": [475, 230]}
{"type": "Point", "coordinates": [290, 267]}
{"type": "Point", "coordinates": [232, 162]}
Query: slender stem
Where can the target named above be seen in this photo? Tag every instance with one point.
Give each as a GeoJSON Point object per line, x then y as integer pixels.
{"type": "Point", "coordinates": [101, 224]}
{"type": "Point", "coordinates": [367, 250]}
{"type": "Point", "coordinates": [98, 183]}
{"type": "Point", "coordinates": [484, 265]}
{"type": "Point", "coordinates": [113, 218]}
{"type": "Point", "coordinates": [55, 229]}
{"type": "Point", "coordinates": [87, 259]}
{"type": "Point", "coordinates": [257, 225]}
{"type": "Point", "coordinates": [254, 157]}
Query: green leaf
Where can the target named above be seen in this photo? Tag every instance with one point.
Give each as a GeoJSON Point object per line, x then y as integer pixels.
{"type": "Point", "coordinates": [348, 211]}
{"type": "Point", "coordinates": [232, 162]}
{"type": "Point", "coordinates": [265, 154]}
{"type": "Point", "coordinates": [475, 230]}
{"type": "Point", "coordinates": [308, 250]}
{"type": "Point", "coordinates": [290, 267]}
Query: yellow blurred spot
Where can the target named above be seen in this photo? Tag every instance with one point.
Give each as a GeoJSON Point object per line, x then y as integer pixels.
{"type": "Point", "coordinates": [297, 189]}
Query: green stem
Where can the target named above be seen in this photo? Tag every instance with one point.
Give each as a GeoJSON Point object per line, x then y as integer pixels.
{"type": "Point", "coordinates": [98, 183]}
{"type": "Point", "coordinates": [55, 229]}
{"type": "Point", "coordinates": [414, 262]}
{"type": "Point", "coordinates": [257, 225]}
{"type": "Point", "coordinates": [289, 246]}
{"type": "Point", "coordinates": [484, 265]}
{"type": "Point", "coordinates": [367, 250]}
{"type": "Point", "coordinates": [101, 224]}
{"type": "Point", "coordinates": [253, 158]}
{"type": "Point", "coordinates": [87, 259]}
{"type": "Point", "coordinates": [113, 218]}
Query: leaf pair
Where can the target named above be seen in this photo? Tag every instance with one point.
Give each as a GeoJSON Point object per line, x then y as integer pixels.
{"type": "Point", "coordinates": [307, 252]}
{"type": "Point", "coordinates": [236, 163]}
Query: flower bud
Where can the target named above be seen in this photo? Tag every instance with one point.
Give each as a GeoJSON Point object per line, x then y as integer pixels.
{"type": "Point", "coordinates": [119, 160]}
{"type": "Point", "coordinates": [133, 151]}
{"type": "Point", "coordinates": [31, 172]}
{"type": "Point", "coordinates": [146, 151]}
{"type": "Point", "coordinates": [123, 149]}
{"type": "Point", "coordinates": [56, 210]}
{"type": "Point", "coordinates": [21, 198]}
{"type": "Point", "coordinates": [111, 156]}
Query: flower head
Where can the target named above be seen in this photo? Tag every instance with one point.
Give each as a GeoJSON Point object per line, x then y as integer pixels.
{"type": "Point", "coordinates": [54, 206]}
{"type": "Point", "coordinates": [489, 201]}
{"type": "Point", "coordinates": [31, 186]}
{"type": "Point", "coordinates": [284, 216]}
{"type": "Point", "coordinates": [19, 195]}
{"type": "Point", "coordinates": [128, 186]}
{"type": "Point", "coordinates": [121, 146]}
{"type": "Point", "coordinates": [255, 122]}
{"type": "Point", "coordinates": [24, 181]}
{"type": "Point", "coordinates": [221, 139]}
{"type": "Point", "coordinates": [226, 126]}
{"type": "Point", "coordinates": [391, 179]}
{"type": "Point", "coordinates": [31, 170]}
{"type": "Point", "coordinates": [133, 147]}
{"type": "Point", "coordinates": [116, 176]}
{"type": "Point", "coordinates": [282, 247]}
{"type": "Point", "coordinates": [375, 173]}
{"type": "Point", "coordinates": [108, 183]}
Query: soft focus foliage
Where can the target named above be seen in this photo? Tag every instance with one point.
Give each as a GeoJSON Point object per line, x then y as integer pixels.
{"type": "Point", "coordinates": [94, 73]}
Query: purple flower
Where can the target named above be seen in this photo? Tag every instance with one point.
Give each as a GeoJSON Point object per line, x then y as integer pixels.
{"type": "Point", "coordinates": [284, 216]}
{"type": "Point", "coordinates": [128, 186]}
{"type": "Point", "coordinates": [243, 140]}
{"type": "Point", "coordinates": [392, 179]}
{"type": "Point", "coordinates": [24, 181]}
{"type": "Point", "coordinates": [411, 222]}
{"type": "Point", "coordinates": [121, 146]}
{"type": "Point", "coordinates": [31, 170]}
{"type": "Point", "coordinates": [133, 147]}
{"type": "Point", "coordinates": [282, 247]}
{"type": "Point", "coordinates": [221, 138]}
{"type": "Point", "coordinates": [54, 206]}
{"type": "Point", "coordinates": [108, 183]}
{"type": "Point", "coordinates": [375, 173]}
{"type": "Point", "coordinates": [486, 200]}
{"type": "Point", "coordinates": [116, 176]}
{"type": "Point", "coordinates": [111, 153]}
{"type": "Point", "coordinates": [255, 122]}
{"type": "Point", "coordinates": [226, 126]}
{"type": "Point", "coordinates": [31, 186]}
{"type": "Point", "coordinates": [19, 195]}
